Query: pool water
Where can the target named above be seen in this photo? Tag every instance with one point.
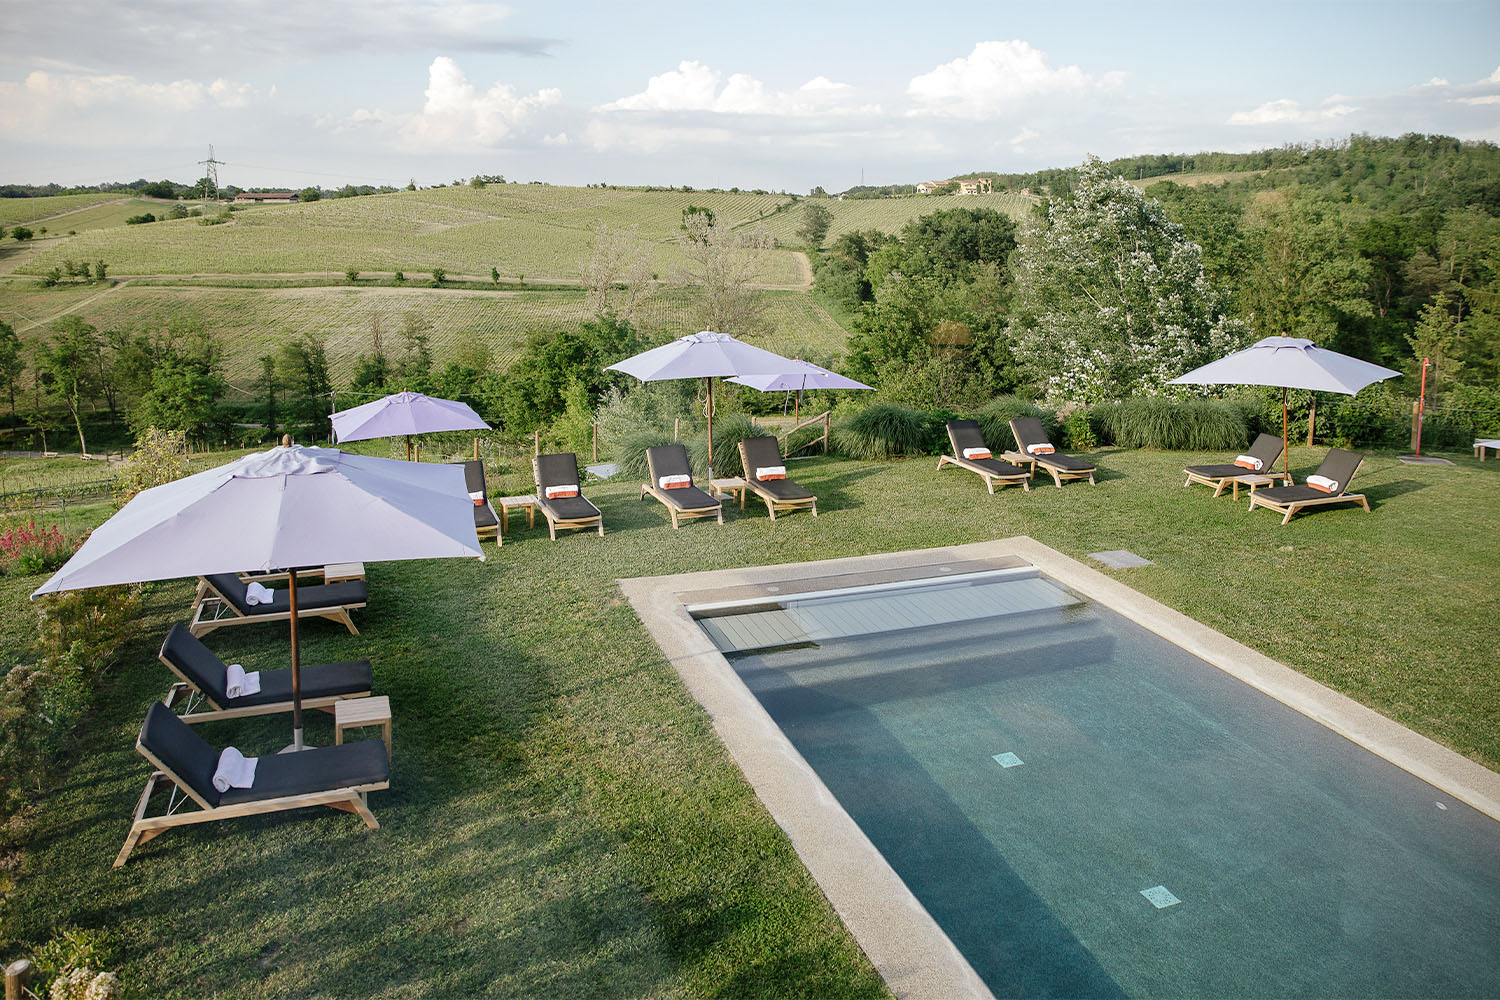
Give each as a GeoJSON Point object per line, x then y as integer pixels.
{"type": "Point", "coordinates": [1086, 809]}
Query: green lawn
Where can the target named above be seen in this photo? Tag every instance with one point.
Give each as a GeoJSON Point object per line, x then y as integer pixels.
{"type": "Point", "coordinates": [562, 820]}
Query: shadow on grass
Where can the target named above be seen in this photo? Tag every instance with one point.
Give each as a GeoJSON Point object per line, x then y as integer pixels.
{"type": "Point", "coordinates": [1395, 488]}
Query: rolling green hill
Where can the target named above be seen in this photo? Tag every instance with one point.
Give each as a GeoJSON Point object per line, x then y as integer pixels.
{"type": "Point", "coordinates": [24, 211]}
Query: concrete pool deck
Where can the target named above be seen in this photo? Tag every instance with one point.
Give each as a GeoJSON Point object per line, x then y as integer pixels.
{"type": "Point", "coordinates": [903, 941]}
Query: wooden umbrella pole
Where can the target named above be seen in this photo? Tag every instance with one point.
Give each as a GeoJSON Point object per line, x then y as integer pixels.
{"type": "Point", "coordinates": [710, 381]}
{"type": "Point", "coordinates": [291, 596]}
{"type": "Point", "coordinates": [1286, 460]}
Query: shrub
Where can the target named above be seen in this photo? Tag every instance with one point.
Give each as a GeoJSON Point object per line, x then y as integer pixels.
{"type": "Point", "coordinates": [882, 431]}
{"type": "Point", "coordinates": [995, 417]}
{"type": "Point", "coordinates": [136, 220]}
{"type": "Point", "coordinates": [71, 962]}
{"type": "Point", "coordinates": [1475, 408]}
{"type": "Point", "coordinates": [28, 550]}
{"type": "Point", "coordinates": [729, 431]}
{"type": "Point", "coordinates": [352, 273]}
{"type": "Point", "coordinates": [438, 276]}
{"type": "Point", "coordinates": [1366, 420]}
{"type": "Point", "coordinates": [21, 233]}
{"type": "Point", "coordinates": [1078, 431]}
{"type": "Point", "coordinates": [1173, 425]}
{"type": "Point", "coordinates": [400, 276]}
{"type": "Point", "coordinates": [159, 457]}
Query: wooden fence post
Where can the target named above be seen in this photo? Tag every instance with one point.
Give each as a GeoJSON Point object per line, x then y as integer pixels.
{"type": "Point", "coordinates": [1416, 424]}
{"type": "Point", "coordinates": [536, 441]}
{"type": "Point", "coordinates": [1312, 418]}
{"type": "Point", "coordinates": [827, 424]}
{"type": "Point", "coordinates": [596, 440]}
{"type": "Point", "coordinates": [676, 426]}
{"type": "Point", "coordinates": [17, 975]}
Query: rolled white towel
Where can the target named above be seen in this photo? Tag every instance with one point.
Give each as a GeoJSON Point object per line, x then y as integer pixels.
{"type": "Point", "coordinates": [978, 453]}
{"type": "Point", "coordinates": [257, 594]}
{"type": "Point", "coordinates": [235, 770]}
{"type": "Point", "coordinates": [1323, 483]}
{"type": "Point", "coordinates": [674, 482]}
{"type": "Point", "coordinates": [558, 492]}
{"type": "Point", "coordinates": [238, 683]}
{"type": "Point", "coordinates": [1040, 449]}
{"type": "Point", "coordinates": [1249, 462]}
{"type": "Point", "coordinates": [765, 472]}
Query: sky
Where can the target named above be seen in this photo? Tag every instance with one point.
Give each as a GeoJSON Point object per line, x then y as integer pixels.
{"type": "Point", "coordinates": [776, 95]}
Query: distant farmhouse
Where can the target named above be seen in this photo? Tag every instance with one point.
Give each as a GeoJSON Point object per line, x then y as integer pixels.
{"type": "Point", "coordinates": [971, 185]}
{"type": "Point", "coordinates": [267, 197]}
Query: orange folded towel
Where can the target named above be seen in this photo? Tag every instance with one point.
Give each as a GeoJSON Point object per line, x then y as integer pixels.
{"type": "Point", "coordinates": [1323, 483]}
{"type": "Point", "coordinates": [1249, 462]}
{"type": "Point", "coordinates": [675, 482]}
{"type": "Point", "coordinates": [771, 472]}
{"type": "Point", "coordinates": [556, 492]}
{"type": "Point", "coordinates": [977, 453]}
{"type": "Point", "coordinates": [1040, 449]}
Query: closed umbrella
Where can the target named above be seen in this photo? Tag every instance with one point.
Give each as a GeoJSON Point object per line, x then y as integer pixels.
{"type": "Point", "coordinates": [704, 355]}
{"type": "Point", "coordinates": [279, 510]}
{"type": "Point", "coordinates": [1288, 363]}
{"type": "Point", "coordinates": [801, 375]}
{"type": "Point", "coordinates": [405, 413]}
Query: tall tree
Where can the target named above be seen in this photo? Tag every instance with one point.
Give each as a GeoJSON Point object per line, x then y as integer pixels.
{"type": "Point", "coordinates": [1305, 279]}
{"type": "Point", "coordinates": [1111, 295]}
{"type": "Point", "coordinates": [726, 266]}
{"type": "Point", "coordinates": [68, 361]}
{"type": "Point", "coordinates": [816, 218]}
{"type": "Point", "coordinates": [12, 362]}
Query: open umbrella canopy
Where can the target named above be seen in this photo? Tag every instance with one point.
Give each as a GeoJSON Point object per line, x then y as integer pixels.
{"type": "Point", "coordinates": [404, 413]}
{"type": "Point", "coordinates": [283, 508]}
{"type": "Point", "coordinates": [1289, 363]}
{"type": "Point", "coordinates": [701, 355]}
{"type": "Point", "coordinates": [797, 376]}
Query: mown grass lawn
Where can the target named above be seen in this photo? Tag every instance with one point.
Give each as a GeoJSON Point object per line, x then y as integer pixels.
{"type": "Point", "coordinates": [562, 819]}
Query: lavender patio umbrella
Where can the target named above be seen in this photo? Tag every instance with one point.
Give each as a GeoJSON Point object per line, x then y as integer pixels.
{"type": "Point", "coordinates": [703, 355]}
{"type": "Point", "coordinates": [1288, 363]}
{"type": "Point", "coordinates": [278, 510]}
{"type": "Point", "coordinates": [800, 375]}
{"type": "Point", "coordinates": [405, 413]}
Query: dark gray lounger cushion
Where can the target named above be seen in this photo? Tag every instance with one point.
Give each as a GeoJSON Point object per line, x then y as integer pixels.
{"type": "Point", "coordinates": [1028, 431]}
{"type": "Point", "coordinates": [759, 453]}
{"type": "Point", "coordinates": [1339, 465]}
{"type": "Point", "coordinates": [671, 460]}
{"type": "Point", "coordinates": [484, 514]}
{"type": "Point", "coordinates": [1266, 447]}
{"type": "Point", "coordinates": [561, 469]}
{"type": "Point", "coordinates": [965, 434]}
{"type": "Point", "coordinates": [316, 596]}
{"type": "Point", "coordinates": [186, 754]}
{"type": "Point", "coordinates": [207, 673]}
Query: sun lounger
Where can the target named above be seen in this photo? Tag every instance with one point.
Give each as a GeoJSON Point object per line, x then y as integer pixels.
{"type": "Point", "coordinates": [486, 524]}
{"type": "Point", "coordinates": [338, 776]}
{"type": "Point", "coordinates": [966, 439]}
{"type": "Point", "coordinates": [760, 453]}
{"type": "Point", "coordinates": [221, 602]}
{"type": "Point", "coordinates": [1029, 434]}
{"type": "Point", "coordinates": [203, 682]}
{"type": "Point", "coordinates": [1482, 445]}
{"type": "Point", "coordinates": [1266, 447]}
{"type": "Point", "coordinates": [1339, 466]}
{"type": "Point", "coordinates": [559, 472]}
{"type": "Point", "coordinates": [683, 502]}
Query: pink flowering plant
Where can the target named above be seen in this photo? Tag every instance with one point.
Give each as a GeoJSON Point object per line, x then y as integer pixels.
{"type": "Point", "coordinates": [29, 548]}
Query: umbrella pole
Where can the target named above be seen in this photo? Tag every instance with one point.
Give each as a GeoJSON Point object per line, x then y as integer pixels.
{"type": "Point", "coordinates": [1286, 460]}
{"type": "Point", "coordinates": [408, 447]}
{"type": "Point", "coordinates": [291, 596]}
{"type": "Point", "coordinates": [710, 382]}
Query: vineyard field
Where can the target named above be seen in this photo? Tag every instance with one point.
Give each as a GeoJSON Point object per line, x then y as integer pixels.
{"type": "Point", "coordinates": [250, 323]}
{"type": "Point", "coordinates": [24, 211]}
{"type": "Point", "coordinates": [106, 215]}
{"type": "Point", "coordinates": [533, 230]}
{"type": "Point", "coordinates": [889, 214]}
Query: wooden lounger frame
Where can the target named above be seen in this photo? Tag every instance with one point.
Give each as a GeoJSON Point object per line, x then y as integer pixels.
{"type": "Point", "coordinates": [1058, 475]}
{"type": "Point", "coordinates": [144, 828]}
{"type": "Point", "coordinates": [1219, 482]}
{"type": "Point", "coordinates": [185, 689]}
{"type": "Point", "coordinates": [990, 478]}
{"type": "Point", "coordinates": [1291, 507]}
{"type": "Point", "coordinates": [212, 610]}
{"type": "Point", "coordinates": [717, 510]}
{"type": "Point", "coordinates": [773, 502]}
{"type": "Point", "coordinates": [553, 523]}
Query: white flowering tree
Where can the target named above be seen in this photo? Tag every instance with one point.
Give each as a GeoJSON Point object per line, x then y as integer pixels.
{"type": "Point", "coordinates": [1111, 296]}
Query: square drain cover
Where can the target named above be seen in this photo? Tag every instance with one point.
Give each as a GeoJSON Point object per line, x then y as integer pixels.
{"type": "Point", "coordinates": [1119, 559]}
{"type": "Point", "coordinates": [1007, 759]}
{"type": "Point", "coordinates": [1161, 897]}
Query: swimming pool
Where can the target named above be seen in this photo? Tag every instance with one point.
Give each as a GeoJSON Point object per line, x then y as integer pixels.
{"type": "Point", "coordinates": [1084, 807]}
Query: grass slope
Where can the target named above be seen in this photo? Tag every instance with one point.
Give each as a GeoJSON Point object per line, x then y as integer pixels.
{"type": "Point", "coordinates": [253, 322]}
{"type": "Point", "coordinates": [562, 820]}
{"type": "Point", "coordinates": [533, 230]}
{"type": "Point", "coordinates": [22, 211]}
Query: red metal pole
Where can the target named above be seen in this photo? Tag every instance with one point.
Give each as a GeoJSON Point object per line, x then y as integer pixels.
{"type": "Point", "coordinates": [1422, 404]}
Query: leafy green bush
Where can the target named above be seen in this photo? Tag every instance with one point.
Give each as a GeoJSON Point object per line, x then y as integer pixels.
{"type": "Point", "coordinates": [1368, 420]}
{"type": "Point", "coordinates": [995, 416]}
{"type": "Point", "coordinates": [1078, 431]}
{"type": "Point", "coordinates": [28, 549]}
{"type": "Point", "coordinates": [882, 431]}
{"type": "Point", "coordinates": [729, 431]}
{"type": "Point", "coordinates": [69, 964]}
{"type": "Point", "coordinates": [1173, 424]}
{"type": "Point", "coordinates": [1475, 409]}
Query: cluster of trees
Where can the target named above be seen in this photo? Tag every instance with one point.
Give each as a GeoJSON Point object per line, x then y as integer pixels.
{"type": "Point", "coordinates": [1386, 249]}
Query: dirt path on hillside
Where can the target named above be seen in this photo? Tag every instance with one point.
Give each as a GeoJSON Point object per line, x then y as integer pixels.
{"type": "Point", "coordinates": [33, 324]}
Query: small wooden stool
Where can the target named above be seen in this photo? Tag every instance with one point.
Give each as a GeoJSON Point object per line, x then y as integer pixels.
{"type": "Point", "coordinates": [734, 486]}
{"type": "Point", "coordinates": [354, 713]}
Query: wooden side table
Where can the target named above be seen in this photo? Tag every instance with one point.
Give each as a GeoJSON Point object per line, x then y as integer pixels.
{"type": "Point", "coordinates": [339, 572]}
{"type": "Point", "coordinates": [734, 486]}
{"type": "Point", "coordinates": [507, 504]}
{"type": "Point", "coordinates": [1253, 481]}
{"type": "Point", "coordinates": [354, 713]}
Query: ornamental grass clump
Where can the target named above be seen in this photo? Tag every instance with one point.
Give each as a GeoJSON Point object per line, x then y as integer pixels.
{"type": "Point", "coordinates": [1173, 424]}
{"type": "Point", "coordinates": [995, 416]}
{"type": "Point", "coordinates": [29, 549]}
{"type": "Point", "coordinates": [882, 431]}
{"type": "Point", "coordinates": [729, 431]}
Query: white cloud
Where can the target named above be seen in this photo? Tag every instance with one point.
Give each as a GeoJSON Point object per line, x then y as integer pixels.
{"type": "Point", "coordinates": [1485, 99]}
{"type": "Point", "coordinates": [1020, 139]}
{"type": "Point", "coordinates": [693, 86]}
{"type": "Point", "coordinates": [456, 114]}
{"type": "Point", "coordinates": [66, 98]}
{"type": "Point", "coordinates": [1436, 81]}
{"type": "Point", "coordinates": [998, 75]}
{"type": "Point", "coordinates": [1288, 111]}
